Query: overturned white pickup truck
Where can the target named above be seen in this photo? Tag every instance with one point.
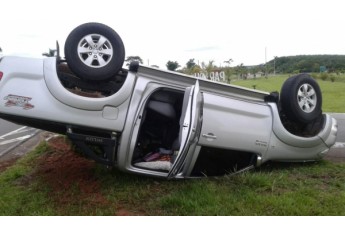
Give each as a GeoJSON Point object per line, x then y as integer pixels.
{"type": "Point", "coordinates": [153, 122]}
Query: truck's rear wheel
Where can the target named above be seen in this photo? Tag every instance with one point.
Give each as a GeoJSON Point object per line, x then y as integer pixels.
{"type": "Point", "coordinates": [301, 99]}
{"type": "Point", "coordinates": [94, 51]}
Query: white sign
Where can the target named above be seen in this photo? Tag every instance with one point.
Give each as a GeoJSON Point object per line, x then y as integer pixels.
{"type": "Point", "coordinates": [214, 76]}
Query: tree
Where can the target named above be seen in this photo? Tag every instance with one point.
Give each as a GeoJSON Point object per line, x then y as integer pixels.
{"type": "Point", "coordinates": [130, 59]}
{"type": "Point", "coordinates": [241, 71]}
{"type": "Point", "coordinates": [51, 53]}
{"type": "Point", "coordinates": [261, 68]}
{"type": "Point", "coordinates": [172, 65]}
{"type": "Point", "coordinates": [190, 64]}
{"type": "Point", "coordinates": [208, 68]}
{"type": "Point", "coordinates": [229, 62]}
{"type": "Point", "coordinates": [274, 65]}
{"type": "Point", "coordinates": [228, 70]}
{"type": "Point", "coordinates": [254, 70]}
{"type": "Point", "coordinates": [191, 68]}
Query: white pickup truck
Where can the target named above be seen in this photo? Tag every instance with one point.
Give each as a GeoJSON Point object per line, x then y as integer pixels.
{"type": "Point", "coordinates": [159, 123]}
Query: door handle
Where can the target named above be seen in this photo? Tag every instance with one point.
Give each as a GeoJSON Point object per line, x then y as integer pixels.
{"type": "Point", "coordinates": [209, 136]}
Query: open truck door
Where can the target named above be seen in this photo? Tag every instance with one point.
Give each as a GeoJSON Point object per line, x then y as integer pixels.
{"type": "Point", "coordinates": [190, 125]}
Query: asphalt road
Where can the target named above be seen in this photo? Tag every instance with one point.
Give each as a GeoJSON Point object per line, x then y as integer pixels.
{"type": "Point", "coordinates": [6, 127]}
{"type": "Point", "coordinates": [341, 126]}
{"type": "Point", "coordinates": [337, 152]}
{"type": "Point", "coordinates": [12, 135]}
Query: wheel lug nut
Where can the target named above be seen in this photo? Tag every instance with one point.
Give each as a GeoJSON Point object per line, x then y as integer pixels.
{"type": "Point", "coordinates": [100, 54]}
{"type": "Point", "coordinates": [95, 56]}
{"type": "Point", "coordinates": [90, 53]}
{"type": "Point", "coordinates": [90, 48]}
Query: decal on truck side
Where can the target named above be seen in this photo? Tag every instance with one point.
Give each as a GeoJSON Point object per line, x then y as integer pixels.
{"type": "Point", "coordinates": [18, 101]}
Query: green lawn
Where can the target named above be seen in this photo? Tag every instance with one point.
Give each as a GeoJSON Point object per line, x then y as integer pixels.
{"type": "Point", "coordinates": [279, 189]}
{"type": "Point", "coordinates": [333, 93]}
{"type": "Point", "coordinates": [19, 195]}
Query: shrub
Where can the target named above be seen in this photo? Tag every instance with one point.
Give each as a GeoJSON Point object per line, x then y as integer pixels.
{"type": "Point", "coordinates": [332, 77]}
{"type": "Point", "coordinates": [315, 75]}
{"type": "Point", "coordinates": [324, 76]}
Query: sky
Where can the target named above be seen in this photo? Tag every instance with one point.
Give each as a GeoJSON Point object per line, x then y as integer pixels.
{"type": "Point", "coordinates": [247, 31]}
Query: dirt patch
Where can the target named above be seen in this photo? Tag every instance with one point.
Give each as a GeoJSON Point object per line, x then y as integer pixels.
{"type": "Point", "coordinates": [69, 177]}
{"type": "Point", "coordinates": [5, 164]}
{"type": "Point", "coordinates": [72, 182]}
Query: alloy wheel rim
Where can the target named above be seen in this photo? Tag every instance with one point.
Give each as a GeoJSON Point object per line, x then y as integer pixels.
{"type": "Point", "coordinates": [95, 50]}
{"type": "Point", "coordinates": [306, 98]}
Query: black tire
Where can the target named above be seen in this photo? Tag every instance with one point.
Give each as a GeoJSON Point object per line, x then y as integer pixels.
{"type": "Point", "coordinates": [301, 99]}
{"type": "Point", "coordinates": [98, 61]}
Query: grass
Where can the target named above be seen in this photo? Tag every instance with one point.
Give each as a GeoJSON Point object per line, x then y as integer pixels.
{"type": "Point", "coordinates": [18, 196]}
{"type": "Point", "coordinates": [332, 92]}
{"type": "Point", "coordinates": [275, 189]}
{"type": "Point", "coordinates": [312, 189]}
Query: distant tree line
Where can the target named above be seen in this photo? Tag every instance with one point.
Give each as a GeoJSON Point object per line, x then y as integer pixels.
{"type": "Point", "coordinates": [307, 63]}
{"type": "Point", "coordinates": [282, 65]}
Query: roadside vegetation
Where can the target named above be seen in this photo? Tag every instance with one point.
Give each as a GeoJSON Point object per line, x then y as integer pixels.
{"type": "Point", "coordinates": [19, 194]}
{"type": "Point", "coordinates": [54, 180]}
{"type": "Point", "coordinates": [328, 70]}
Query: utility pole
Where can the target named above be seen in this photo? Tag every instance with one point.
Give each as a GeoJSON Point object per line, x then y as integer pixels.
{"type": "Point", "coordinates": [266, 62]}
